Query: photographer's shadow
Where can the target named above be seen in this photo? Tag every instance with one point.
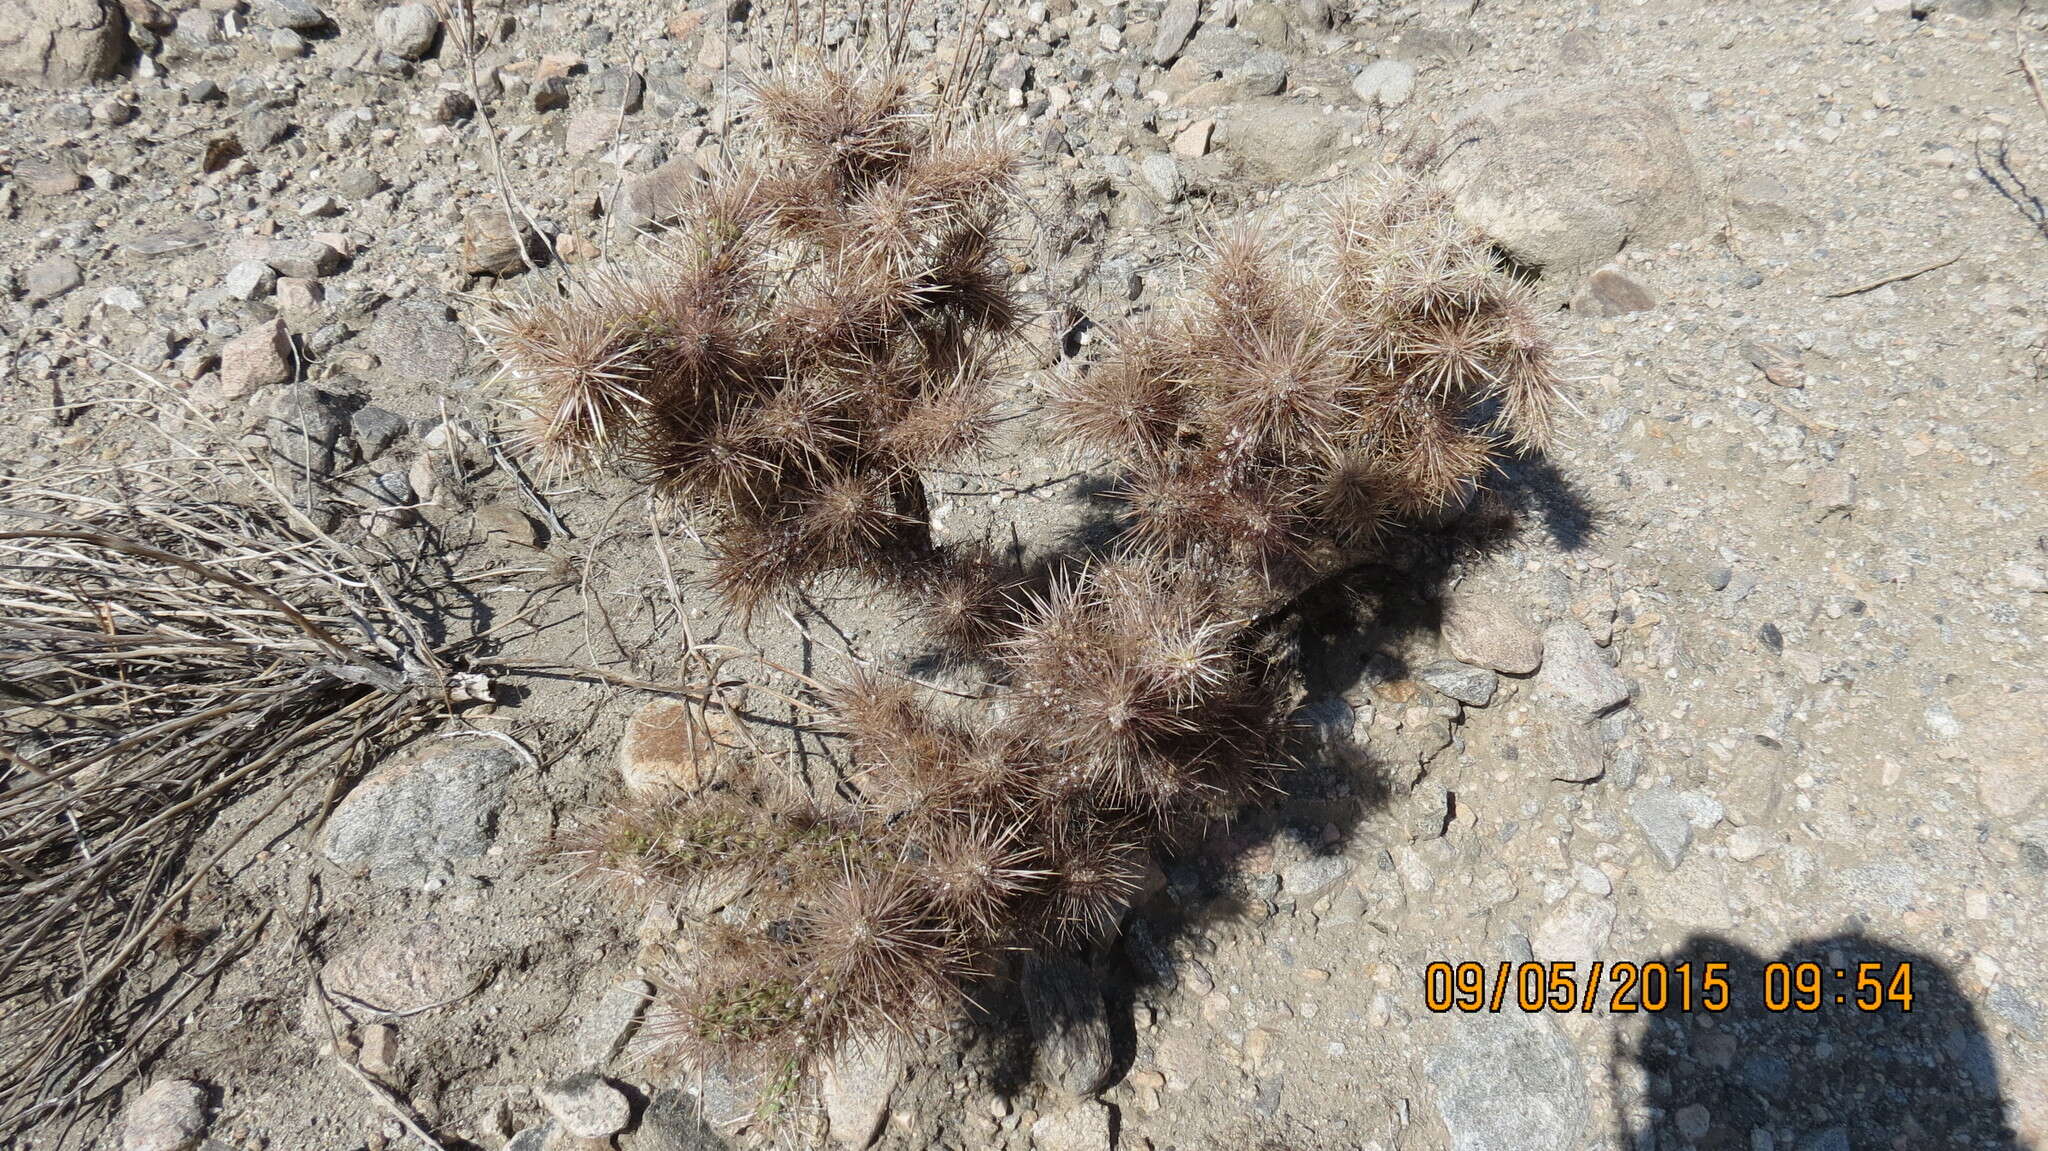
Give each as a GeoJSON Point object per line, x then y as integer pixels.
{"type": "Point", "coordinates": [1834, 1078]}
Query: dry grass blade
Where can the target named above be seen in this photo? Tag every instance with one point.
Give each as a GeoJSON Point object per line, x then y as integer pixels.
{"type": "Point", "coordinates": [164, 651]}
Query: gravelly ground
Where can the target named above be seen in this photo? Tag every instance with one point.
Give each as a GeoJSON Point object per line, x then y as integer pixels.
{"type": "Point", "coordinates": [1786, 571]}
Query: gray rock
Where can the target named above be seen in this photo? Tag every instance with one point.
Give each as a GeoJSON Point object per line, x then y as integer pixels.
{"type": "Point", "coordinates": [1567, 750]}
{"type": "Point", "coordinates": [417, 341]}
{"type": "Point", "coordinates": [248, 280]}
{"type": "Point", "coordinates": [490, 245]}
{"type": "Point", "coordinates": [603, 1033]}
{"type": "Point", "coordinates": [1611, 292]}
{"type": "Point", "coordinates": [1064, 1005]}
{"type": "Point", "coordinates": [1162, 177]}
{"type": "Point", "coordinates": [407, 965]}
{"type": "Point", "coordinates": [857, 1088]}
{"type": "Point", "coordinates": [1262, 74]}
{"type": "Point", "coordinates": [1176, 24]}
{"type": "Point", "coordinates": [670, 1122]}
{"type": "Point", "coordinates": [305, 429]}
{"type": "Point", "coordinates": [1576, 673]}
{"type": "Point", "coordinates": [1386, 83]}
{"type": "Point", "coordinates": [169, 1116]}
{"type": "Point", "coordinates": [1575, 931]}
{"type": "Point", "coordinates": [1662, 816]}
{"type": "Point", "coordinates": [1313, 876]}
{"type": "Point", "coordinates": [60, 43]}
{"type": "Point", "coordinates": [411, 818]}
{"type": "Point", "coordinates": [257, 358]}
{"type": "Point", "coordinates": [1509, 1081]}
{"type": "Point", "coordinates": [301, 259]}
{"type": "Point", "coordinates": [587, 1105]}
{"type": "Point", "coordinates": [655, 198]}
{"type": "Point", "coordinates": [377, 429]}
{"type": "Point", "coordinates": [1562, 177]}
{"type": "Point", "coordinates": [1429, 810]}
{"type": "Point", "coordinates": [48, 279]}
{"type": "Point", "coordinates": [1283, 140]}
{"type": "Point", "coordinates": [408, 30]}
{"type": "Point", "coordinates": [285, 44]}
{"type": "Point", "coordinates": [358, 184]}
{"type": "Point", "coordinates": [1085, 1126]}
{"type": "Point", "coordinates": [1461, 681]}
{"type": "Point", "coordinates": [297, 15]}
{"type": "Point", "coordinates": [1486, 631]}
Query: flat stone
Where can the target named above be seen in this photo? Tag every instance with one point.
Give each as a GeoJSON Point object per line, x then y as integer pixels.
{"type": "Point", "coordinates": [1192, 142]}
{"type": "Point", "coordinates": [168, 1116]}
{"type": "Point", "coordinates": [259, 357]}
{"type": "Point", "coordinates": [248, 280]}
{"type": "Point", "coordinates": [1486, 631]}
{"type": "Point", "coordinates": [406, 965]}
{"type": "Point", "coordinates": [417, 341]}
{"type": "Point", "coordinates": [1611, 292]}
{"type": "Point", "coordinates": [1311, 877]}
{"type": "Point", "coordinates": [1385, 83]}
{"type": "Point", "coordinates": [1176, 24]}
{"type": "Point", "coordinates": [1508, 1081]}
{"type": "Point", "coordinates": [587, 1105]}
{"type": "Point", "coordinates": [411, 818]}
{"type": "Point", "coordinates": [1576, 673]}
{"type": "Point", "coordinates": [1284, 140]}
{"type": "Point", "coordinates": [1461, 681]}
{"type": "Point", "coordinates": [48, 279]}
{"type": "Point", "coordinates": [857, 1089]}
{"type": "Point", "coordinates": [302, 259]}
{"type": "Point", "coordinates": [297, 15]}
{"type": "Point", "coordinates": [1661, 815]}
{"type": "Point", "coordinates": [654, 199]}
{"type": "Point", "coordinates": [603, 1033]}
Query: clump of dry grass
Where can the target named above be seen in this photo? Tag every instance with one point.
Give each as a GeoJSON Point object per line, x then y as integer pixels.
{"type": "Point", "coordinates": [819, 329]}
{"type": "Point", "coordinates": [163, 653]}
{"type": "Point", "coordinates": [1275, 426]}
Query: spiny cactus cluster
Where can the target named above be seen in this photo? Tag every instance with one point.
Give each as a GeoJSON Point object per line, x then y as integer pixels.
{"type": "Point", "coordinates": [824, 333]}
{"type": "Point", "coordinates": [821, 328]}
{"type": "Point", "coordinates": [1277, 425]}
{"type": "Point", "coordinates": [1133, 711]}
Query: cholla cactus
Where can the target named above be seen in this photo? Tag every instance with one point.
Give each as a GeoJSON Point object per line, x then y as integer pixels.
{"type": "Point", "coordinates": [819, 339]}
{"type": "Point", "coordinates": [1134, 711]}
{"type": "Point", "coordinates": [819, 330]}
{"type": "Point", "coordinates": [1277, 424]}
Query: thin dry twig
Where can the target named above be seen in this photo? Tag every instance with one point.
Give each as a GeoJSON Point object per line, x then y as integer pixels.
{"type": "Point", "coordinates": [1894, 278]}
